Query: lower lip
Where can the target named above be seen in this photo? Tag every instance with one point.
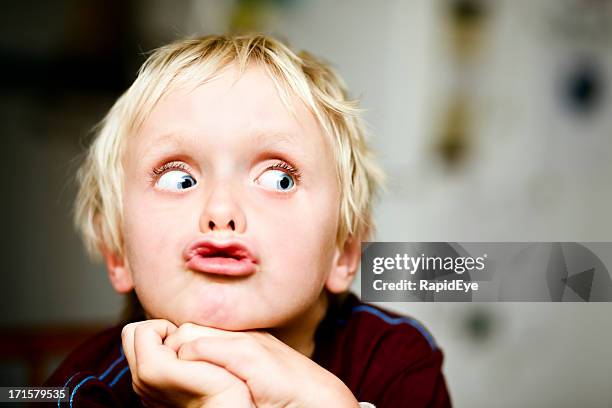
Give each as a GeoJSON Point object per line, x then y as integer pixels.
{"type": "Point", "coordinates": [222, 265]}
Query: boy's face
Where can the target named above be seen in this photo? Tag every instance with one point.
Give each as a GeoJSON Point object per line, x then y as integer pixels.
{"type": "Point", "coordinates": [225, 164]}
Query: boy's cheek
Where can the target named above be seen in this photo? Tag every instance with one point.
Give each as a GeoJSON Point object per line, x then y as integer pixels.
{"type": "Point", "coordinates": [157, 227]}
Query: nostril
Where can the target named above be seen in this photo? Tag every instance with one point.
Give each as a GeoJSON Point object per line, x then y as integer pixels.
{"type": "Point", "coordinates": [231, 225]}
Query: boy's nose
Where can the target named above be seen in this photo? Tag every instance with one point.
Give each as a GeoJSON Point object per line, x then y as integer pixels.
{"type": "Point", "coordinates": [231, 225]}
{"type": "Point", "coordinates": [222, 213]}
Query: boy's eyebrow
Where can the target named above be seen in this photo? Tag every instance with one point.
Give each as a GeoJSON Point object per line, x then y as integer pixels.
{"type": "Point", "coordinates": [163, 142]}
{"type": "Point", "coordinates": [264, 139]}
{"type": "Point", "coordinates": [261, 136]}
{"type": "Point", "coordinates": [171, 138]}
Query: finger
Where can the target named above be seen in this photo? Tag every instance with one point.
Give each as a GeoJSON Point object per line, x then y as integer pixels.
{"type": "Point", "coordinates": [241, 356]}
{"type": "Point", "coordinates": [127, 341]}
{"type": "Point", "coordinates": [157, 364]}
{"type": "Point", "coordinates": [188, 332]}
{"type": "Point", "coordinates": [204, 378]}
{"type": "Point", "coordinates": [152, 357]}
{"type": "Point", "coordinates": [149, 338]}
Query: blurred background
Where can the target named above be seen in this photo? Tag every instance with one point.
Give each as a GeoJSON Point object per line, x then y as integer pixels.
{"type": "Point", "coordinates": [493, 120]}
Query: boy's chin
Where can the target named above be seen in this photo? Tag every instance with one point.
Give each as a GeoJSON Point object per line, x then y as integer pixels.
{"type": "Point", "coordinates": [225, 324]}
{"type": "Point", "coordinates": [229, 323]}
{"type": "Point", "coordinates": [226, 318]}
{"type": "Point", "coordinates": [230, 326]}
{"type": "Point", "coordinates": [219, 310]}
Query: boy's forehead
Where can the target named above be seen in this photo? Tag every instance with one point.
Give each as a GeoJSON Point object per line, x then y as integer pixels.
{"type": "Point", "coordinates": [248, 100]}
{"type": "Point", "coordinates": [264, 140]}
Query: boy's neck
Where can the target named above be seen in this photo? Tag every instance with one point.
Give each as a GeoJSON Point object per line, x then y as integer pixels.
{"type": "Point", "coordinates": [299, 334]}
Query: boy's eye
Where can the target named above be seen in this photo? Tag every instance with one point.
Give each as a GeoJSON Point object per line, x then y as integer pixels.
{"type": "Point", "coordinates": [175, 180]}
{"type": "Point", "coordinates": [276, 180]}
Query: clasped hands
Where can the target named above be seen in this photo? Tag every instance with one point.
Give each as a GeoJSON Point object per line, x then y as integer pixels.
{"type": "Point", "coordinates": [197, 366]}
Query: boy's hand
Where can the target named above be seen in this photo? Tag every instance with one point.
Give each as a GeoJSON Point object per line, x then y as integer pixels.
{"type": "Point", "coordinates": [276, 374]}
{"type": "Point", "coordinates": [161, 379]}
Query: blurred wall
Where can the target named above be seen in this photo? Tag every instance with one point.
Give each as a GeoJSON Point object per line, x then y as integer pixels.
{"type": "Point", "coordinates": [533, 167]}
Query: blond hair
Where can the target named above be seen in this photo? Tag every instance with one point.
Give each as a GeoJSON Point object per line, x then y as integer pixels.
{"type": "Point", "coordinates": [98, 210]}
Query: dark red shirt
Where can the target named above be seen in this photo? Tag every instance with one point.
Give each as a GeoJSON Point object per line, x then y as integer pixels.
{"type": "Point", "coordinates": [386, 359]}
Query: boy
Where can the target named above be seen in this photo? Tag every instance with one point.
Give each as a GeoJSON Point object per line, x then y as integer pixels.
{"type": "Point", "coordinates": [228, 189]}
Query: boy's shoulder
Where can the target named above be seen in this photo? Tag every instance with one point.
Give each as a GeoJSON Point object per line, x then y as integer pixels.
{"type": "Point", "coordinates": [96, 373]}
{"type": "Point", "coordinates": [378, 353]}
{"type": "Point", "coordinates": [364, 328]}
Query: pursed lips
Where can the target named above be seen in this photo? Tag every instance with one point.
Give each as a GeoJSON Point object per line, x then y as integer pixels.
{"type": "Point", "coordinates": [230, 258]}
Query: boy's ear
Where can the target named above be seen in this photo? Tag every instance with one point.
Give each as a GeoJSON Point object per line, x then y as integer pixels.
{"type": "Point", "coordinates": [344, 268]}
{"type": "Point", "coordinates": [118, 271]}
